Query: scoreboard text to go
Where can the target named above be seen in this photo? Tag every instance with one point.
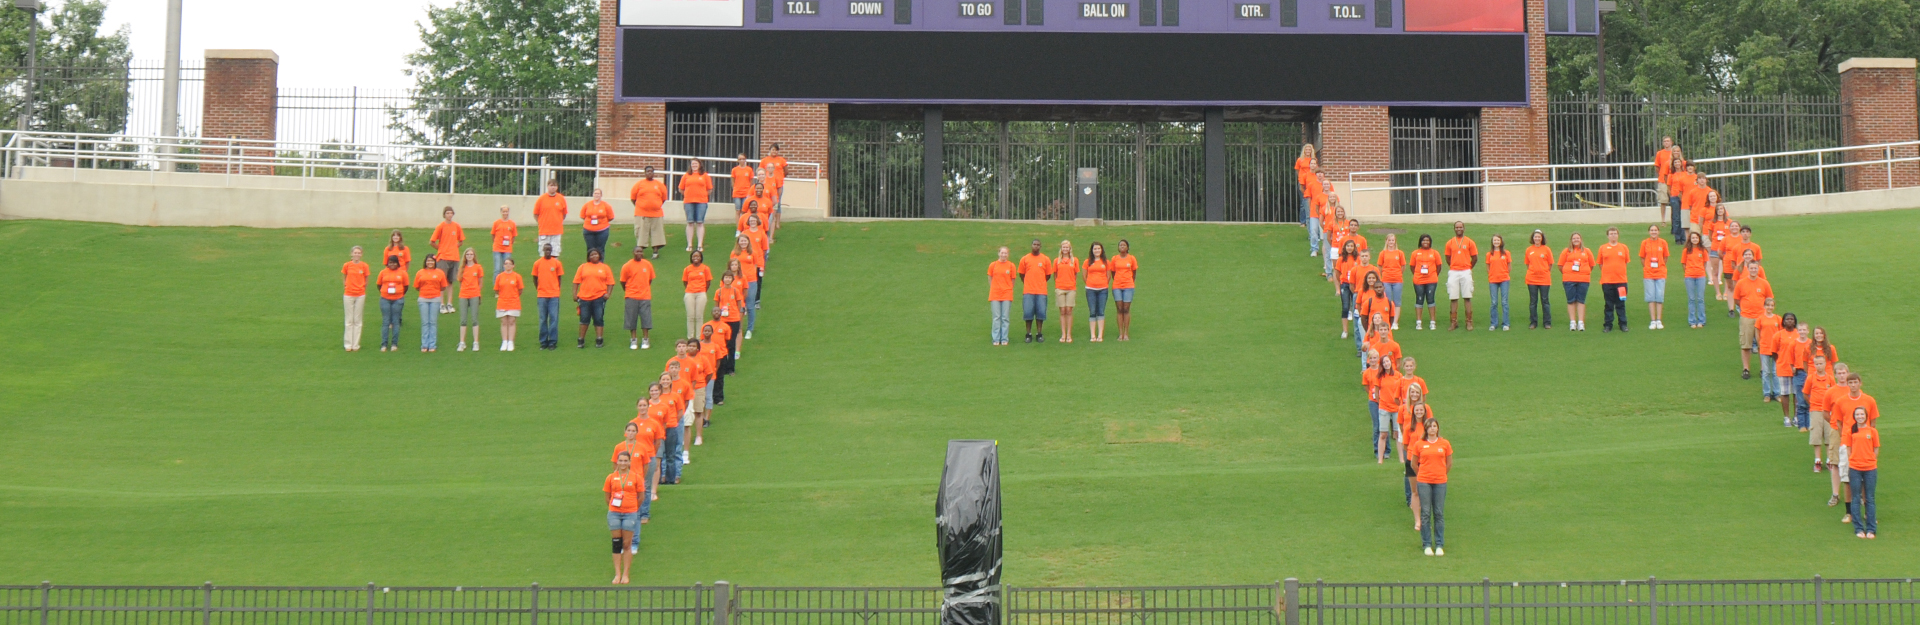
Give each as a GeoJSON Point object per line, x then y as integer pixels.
{"type": "Point", "coordinates": [976, 9]}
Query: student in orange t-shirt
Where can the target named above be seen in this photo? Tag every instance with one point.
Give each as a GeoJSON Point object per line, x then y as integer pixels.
{"type": "Point", "coordinates": [1693, 264]}
{"type": "Point", "coordinates": [1576, 274]}
{"type": "Point", "coordinates": [649, 196]}
{"type": "Point", "coordinates": [354, 275]}
{"type": "Point", "coordinates": [741, 182]}
{"type": "Point", "coordinates": [1381, 379]}
{"type": "Point", "coordinates": [507, 287]}
{"type": "Point", "coordinates": [1461, 255]}
{"type": "Point", "coordinates": [1539, 260]}
{"type": "Point", "coordinates": [695, 187]}
{"type": "Point", "coordinates": [396, 247]}
{"type": "Point", "coordinates": [1124, 266]}
{"type": "Point", "coordinates": [636, 283]}
{"type": "Point", "coordinates": [446, 240]}
{"type": "Point", "coordinates": [1764, 328]}
{"type": "Point", "coordinates": [1343, 284]}
{"type": "Point", "coordinates": [1393, 268]}
{"type": "Point", "coordinates": [696, 277]}
{"type": "Point", "coordinates": [1000, 275]}
{"type": "Point", "coordinates": [1499, 284]}
{"type": "Point", "coordinates": [596, 223]}
{"type": "Point", "coordinates": [550, 214]}
{"type": "Point", "coordinates": [392, 282]}
{"type": "Point", "coordinates": [623, 489]}
{"type": "Point", "coordinates": [1784, 347]}
{"type": "Point", "coordinates": [1066, 280]}
{"type": "Point", "coordinates": [1413, 420]}
{"type": "Point", "coordinates": [1654, 256]}
{"type": "Point", "coordinates": [1432, 458]}
{"type": "Point", "coordinates": [744, 262]}
{"type": "Point", "coordinates": [1862, 442]}
{"type": "Point", "coordinates": [472, 274]}
{"type": "Point", "coordinates": [1425, 264]}
{"type": "Point", "coordinates": [714, 342]}
{"type": "Point", "coordinates": [592, 281]}
{"type": "Point", "coordinates": [1798, 358]}
{"type": "Point", "coordinates": [1751, 295]}
{"type": "Point", "coordinates": [1035, 271]}
{"type": "Point", "coordinates": [729, 299]}
{"type": "Point", "coordinates": [1303, 175]}
{"type": "Point", "coordinates": [1713, 235]}
{"type": "Point", "coordinates": [429, 282]}
{"type": "Point", "coordinates": [501, 237]}
{"type": "Point", "coordinates": [547, 273]}
{"type": "Point", "coordinates": [1613, 259]}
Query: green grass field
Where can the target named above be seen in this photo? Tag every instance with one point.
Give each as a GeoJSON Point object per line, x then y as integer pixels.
{"type": "Point", "coordinates": [175, 408]}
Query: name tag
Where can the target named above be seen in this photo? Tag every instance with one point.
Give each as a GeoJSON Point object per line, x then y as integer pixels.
{"type": "Point", "coordinates": [1423, 270]}
{"type": "Point", "coordinates": [616, 501]}
{"type": "Point", "coordinates": [1656, 263]}
{"type": "Point", "coordinates": [1576, 265]}
{"type": "Point", "coordinates": [594, 222]}
{"type": "Point", "coordinates": [393, 289]}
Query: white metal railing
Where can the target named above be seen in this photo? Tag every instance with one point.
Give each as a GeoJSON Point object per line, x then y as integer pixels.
{"type": "Point", "coordinates": [420, 164]}
{"type": "Point", "coordinates": [1625, 180]}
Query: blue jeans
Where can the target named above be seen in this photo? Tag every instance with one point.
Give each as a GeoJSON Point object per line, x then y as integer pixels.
{"type": "Point", "coordinates": [1499, 311]}
{"type": "Point", "coordinates": [1696, 301]}
{"type": "Point", "coordinates": [1096, 304]}
{"type": "Point", "coordinates": [429, 323]}
{"type": "Point", "coordinates": [1033, 307]}
{"type": "Point", "coordinates": [1393, 294]}
{"type": "Point", "coordinates": [1769, 383]}
{"type": "Point", "coordinates": [1539, 304]}
{"type": "Point", "coordinates": [1862, 484]}
{"type": "Point", "coordinates": [391, 313]}
{"type": "Point", "coordinates": [1313, 228]}
{"type": "Point", "coordinates": [1679, 232]}
{"type": "Point", "coordinates": [1373, 423]}
{"type": "Point", "coordinates": [1799, 398]}
{"type": "Point", "coordinates": [670, 453]}
{"type": "Point", "coordinates": [500, 259]}
{"type": "Point", "coordinates": [752, 303]}
{"type": "Point", "coordinates": [1433, 518]}
{"type": "Point", "coordinates": [596, 240]}
{"type": "Point", "coordinates": [646, 500]}
{"type": "Point", "coordinates": [1359, 340]}
{"type": "Point", "coordinates": [1001, 310]}
{"type": "Point", "coordinates": [549, 320]}
{"type": "Point", "coordinates": [1326, 259]}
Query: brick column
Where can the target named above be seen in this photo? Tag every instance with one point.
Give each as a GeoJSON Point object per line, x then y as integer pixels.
{"type": "Point", "coordinates": [240, 102]}
{"type": "Point", "coordinates": [1512, 136]}
{"type": "Point", "coordinates": [802, 130]}
{"type": "Point", "coordinates": [625, 127]}
{"type": "Point", "coordinates": [1877, 106]}
{"type": "Point", "coordinates": [1356, 138]}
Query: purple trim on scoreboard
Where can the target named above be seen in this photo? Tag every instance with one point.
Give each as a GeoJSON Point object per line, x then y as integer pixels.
{"type": "Point", "coordinates": [1082, 102]}
{"type": "Point", "coordinates": [1195, 16]}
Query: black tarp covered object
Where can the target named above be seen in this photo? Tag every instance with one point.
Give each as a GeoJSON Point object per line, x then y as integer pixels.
{"type": "Point", "coordinates": [967, 528]}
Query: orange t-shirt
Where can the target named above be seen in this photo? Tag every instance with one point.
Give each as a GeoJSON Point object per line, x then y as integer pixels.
{"type": "Point", "coordinates": [1383, 342]}
{"type": "Point", "coordinates": [1460, 252]}
{"type": "Point", "coordinates": [640, 451]}
{"type": "Point", "coordinates": [637, 277]}
{"type": "Point", "coordinates": [406, 256]}
{"type": "Point", "coordinates": [1833, 396]}
{"type": "Point", "coordinates": [696, 277]}
{"type": "Point", "coordinates": [730, 302]}
{"type": "Point", "coordinates": [1373, 302]}
{"type": "Point", "coordinates": [429, 282]}
{"type": "Point", "coordinates": [662, 412]}
{"type": "Point", "coordinates": [722, 335]}
{"type": "Point", "coordinates": [623, 491]}
{"type": "Point", "coordinates": [1613, 263]}
{"type": "Point", "coordinates": [1098, 274]}
{"type": "Point", "coordinates": [1816, 387]}
{"type": "Point", "coordinates": [549, 211]}
{"type": "Point", "coordinates": [1034, 271]}
{"type": "Point", "coordinates": [776, 170]}
{"type": "Point", "coordinates": [1766, 326]}
{"type": "Point", "coordinates": [1794, 349]}
{"type": "Point", "coordinates": [596, 216]}
{"type": "Point", "coordinates": [1845, 403]}
{"type": "Point", "coordinates": [546, 277]}
{"type": "Point", "coordinates": [1576, 265]}
{"type": "Point", "coordinates": [1066, 273]}
{"type": "Point", "coordinates": [1863, 447]}
{"type": "Point", "coordinates": [704, 363]}
{"type": "Point", "coordinates": [1426, 265]}
{"type": "Point", "coordinates": [1000, 281]}
{"type": "Point", "coordinates": [1752, 294]}
{"type": "Point", "coordinates": [594, 280]}
{"type": "Point", "coordinates": [446, 240]}
{"type": "Point", "coordinates": [1678, 182]}
{"type": "Point", "coordinates": [1431, 458]}
{"type": "Point", "coordinates": [1539, 259]}
{"type": "Point", "coordinates": [1391, 393]}
{"type": "Point", "coordinates": [1499, 266]}
{"type": "Point", "coordinates": [1653, 258]}
{"type": "Point", "coordinates": [1370, 380]}
{"type": "Point", "coordinates": [1393, 264]}
{"type": "Point", "coordinates": [393, 283]}
{"type": "Point", "coordinates": [749, 264]}
{"type": "Point", "coordinates": [695, 187]}
{"type": "Point", "coordinates": [470, 279]}
{"type": "Point", "coordinates": [1408, 435]}
{"type": "Point", "coordinates": [356, 277]}
{"type": "Point", "coordinates": [1662, 164]}
{"type": "Point", "coordinates": [1693, 263]}
{"type": "Point", "coordinates": [742, 181]}
{"type": "Point", "coordinates": [503, 233]}
{"type": "Point", "coordinates": [506, 291]}
{"type": "Point", "coordinates": [648, 196]}
{"type": "Point", "coordinates": [1123, 268]}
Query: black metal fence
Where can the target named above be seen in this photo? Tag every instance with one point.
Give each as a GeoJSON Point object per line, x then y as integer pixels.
{"type": "Point", "coordinates": [1290, 602]}
{"type": "Point", "coordinates": [113, 99]}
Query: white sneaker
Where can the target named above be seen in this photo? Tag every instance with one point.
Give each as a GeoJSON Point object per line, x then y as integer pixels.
{"type": "Point", "coordinates": [1396, 325]}
{"type": "Point", "coordinates": [749, 335]}
{"type": "Point", "coordinates": [1416, 324]}
{"type": "Point", "coordinates": [633, 343]}
{"type": "Point", "coordinates": [462, 347]}
{"type": "Point", "coordinates": [1653, 325]}
{"type": "Point", "coordinates": [1506, 328]}
{"type": "Point", "coordinates": [503, 346]}
{"type": "Point", "coordinates": [1439, 551]}
{"type": "Point", "coordinates": [696, 440]}
{"type": "Point", "coordinates": [1429, 551]}
{"type": "Point", "coordinates": [646, 344]}
{"type": "Point", "coordinates": [684, 458]}
{"type": "Point", "coordinates": [1343, 334]}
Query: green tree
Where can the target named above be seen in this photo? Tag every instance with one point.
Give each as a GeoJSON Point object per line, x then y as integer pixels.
{"type": "Point", "coordinates": [82, 84]}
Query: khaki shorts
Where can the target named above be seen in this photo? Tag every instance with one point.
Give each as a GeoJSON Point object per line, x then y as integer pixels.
{"type": "Point", "coordinates": [1063, 298]}
{"type": "Point", "coordinates": [1459, 284]}
{"type": "Point", "coordinates": [649, 232]}
{"type": "Point", "coordinates": [1820, 433]}
{"type": "Point", "coordinates": [1746, 333]}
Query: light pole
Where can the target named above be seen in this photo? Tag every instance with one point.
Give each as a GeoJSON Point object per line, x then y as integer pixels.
{"type": "Point", "coordinates": [1600, 72]}
{"type": "Point", "coordinates": [170, 88]}
{"type": "Point", "coordinates": [32, 7]}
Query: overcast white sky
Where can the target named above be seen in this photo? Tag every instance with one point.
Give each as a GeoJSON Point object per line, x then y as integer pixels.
{"type": "Point", "coordinates": [335, 43]}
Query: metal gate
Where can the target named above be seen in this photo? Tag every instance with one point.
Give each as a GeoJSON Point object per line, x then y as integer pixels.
{"type": "Point", "coordinates": [877, 168]}
{"type": "Point", "coordinates": [1428, 141]}
{"type": "Point", "coordinates": [1261, 183]}
{"type": "Point", "coordinates": [715, 131]}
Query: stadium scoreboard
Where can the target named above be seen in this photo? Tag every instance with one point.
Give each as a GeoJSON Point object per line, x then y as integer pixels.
{"type": "Point", "coordinates": [1139, 52]}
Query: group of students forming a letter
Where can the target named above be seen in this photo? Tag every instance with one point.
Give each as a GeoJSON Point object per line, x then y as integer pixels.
{"type": "Point", "coordinates": [1799, 367]}
{"type": "Point", "coordinates": [1040, 275]}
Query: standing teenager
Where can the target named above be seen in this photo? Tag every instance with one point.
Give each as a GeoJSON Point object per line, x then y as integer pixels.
{"type": "Point", "coordinates": [1789, 348]}
{"type": "Point", "coordinates": [1576, 273]}
{"type": "Point", "coordinates": [472, 274]}
{"type": "Point", "coordinates": [446, 241]}
{"type": "Point", "coordinates": [649, 196]}
{"type": "Point", "coordinates": [1863, 468]}
{"type": "Point", "coordinates": [636, 281]}
{"type": "Point", "coordinates": [1679, 183]}
{"type": "Point", "coordinates": [1124, 265]}
{"type": "Point", "coordinates": [396, 246]}
{"type": "Point", "coordinates": [547, 273]}
{"type": "Point", "coordinates": [1425, 262]}
{"type": "Point", "coordinates": [1713, 235]}
{"type": "Point", "coordinates": [745, 261]}
{"type": "Point", "coordinates": [1462, 256]}
{"type": "Point", "coordinates": [1303, 175]}
{"type": "Point", "coordinates": [591, 282]}
{"type": "Point", "coordinates": [741, 186]}
{"type": "Point", "coordinates": [1763, 329]}
{"type": "Point", "coordinates": [1539, 260]}
{"type": "Point", "coordinates": [624, 490]}
{"type": "Point", "coordinates": [1413, 422]}
{"type": "Point", "coordinates": [354, 274]}
{"type": "Point", "coordinates": [696, 277]}
{"type": "Point", "coordinates": [1035, 269]}
{"type": "Point", "coordinates": [1821, 432]}
{"type": "Point", "coordinates": [429, 282]}
{"type": "Point", "coordinates": [1662, 165]}
{"type": "Point", "coordinates": [550, 214]}
{"type": "Point", "coordinates": [1499, 284]}
{"type": "Point", "coordinates": [1654, 253]}
{"type": "Point", "coordinates": [1066, 275]}
{"type": "Point", "coordinates": [1432, 458]}
{"type": "Point", "coordinates": [1693, 263]}
{"type": "Point", "coordinates": [1393, 268]}
{"type": "Point", "coordinates": [1343, 282]}
{"type": "Point", "coordinates": [501, 236]}
{"type": "Point", "coordinates": [1750, 295]}
{"type": "Point", "coordinates": [393, 282]}
{"type": "Point", "coordinates": [695, 186]}
{"type": "Point", "coordinates": [1612, 258]}
{"type": "Point", "coordinates": [596, 223]}
{"type": "Point", "coordinates": [507, 287]}
{"type": "Point", "coordinates": [1000, 296]}
{"type": "Point", "coordinates": [1099, 276]}
{"type": "Point", "coordinates": [776, 183]}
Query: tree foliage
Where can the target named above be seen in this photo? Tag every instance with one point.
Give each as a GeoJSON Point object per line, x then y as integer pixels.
{"type": "Point", "coordinates": [82, 84]}
{"type": "Point", "coordinates": [1734, 47]}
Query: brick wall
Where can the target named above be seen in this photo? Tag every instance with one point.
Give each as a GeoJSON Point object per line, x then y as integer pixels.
{"type": "Point", "coordinates": [1518, 135]}
{"type": "Point", "coordinates": [1353, 138]}
{"type": "Point", "coordinates": [800, 129]}
{"type": "Point", "coordinates": [1877, 105]}
{"type": "Point", "coordinates": [626, 127]}
{"type": "Point", "coordinates": [239, 102]}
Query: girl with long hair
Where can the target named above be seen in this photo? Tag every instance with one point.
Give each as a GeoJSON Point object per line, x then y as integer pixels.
{"type": "Point", "coordinates": [1099, 276]}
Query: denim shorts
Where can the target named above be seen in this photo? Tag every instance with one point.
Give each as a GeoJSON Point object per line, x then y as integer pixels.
{"type": "Point", "coordinates": [1124, 296]}
{"type": "Point", "coordinates": [1576, 291]}
{"type": "Point", "coordinates": [593, 311]}
{"type": "Point", "coordinates": [1655, 291]}
{"type": "Point", "coordinates": [624, 521]}
{"type": "Point", "coordinates": [1033, 307]}
{"type": "Point", "coordinates": [696, 212]}
{"type": "Point", "coordinates": [1423, 294]}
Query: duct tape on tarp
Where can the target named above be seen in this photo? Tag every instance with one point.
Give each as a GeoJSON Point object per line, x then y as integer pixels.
{"type": "Point", "coordinates": [967, 532]}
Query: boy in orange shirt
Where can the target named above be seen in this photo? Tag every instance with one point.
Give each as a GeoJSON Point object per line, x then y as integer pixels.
{"type": "Point", "coordinates": [446, 240]}
{"type": "Point", "coordinates": [1790, 363]}
{"type": "Point", "coordinates": [1613, 281]}
{"type": "Point", "coordinates": [1764, 328]}
{"type": "Point", "coordinates": [354, 274]}
{"type": "Point", "coordinates": [1751, 296]}
{"type": "Point", "coordinates": [649, 195]}
{"type": "Point", "coordinates": [636, 283]}
{"type": "Point", "coordinates": [550, 212]}
{"type": "Point", "coordinates": [546, 294]}
{"type": "Point", "coordinates": [1035, 270]}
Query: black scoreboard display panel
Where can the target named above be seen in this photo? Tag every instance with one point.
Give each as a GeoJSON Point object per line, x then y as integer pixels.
{"type": "Point", "coordinates": [1175, 52]}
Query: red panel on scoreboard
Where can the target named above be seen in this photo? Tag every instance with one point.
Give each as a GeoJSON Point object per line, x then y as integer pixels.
{"type": "Point", "coordinates": [1466, 16]}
